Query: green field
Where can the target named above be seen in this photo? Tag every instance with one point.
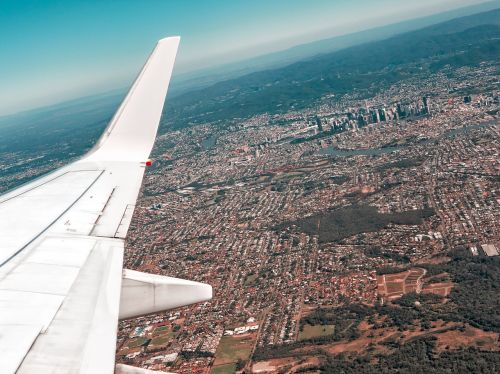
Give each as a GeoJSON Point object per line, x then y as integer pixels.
{"type": "Point", "coordinates": [137, 342]}
{"type": "Point", "coordinates": [310, 331]}
{"type": "Point", "coordinates": [162, 339]}
{"type": "Point", "coordinates": [161, 328]}
{"type": "Point", "coordinates": [224, 369]}
{"type": "Point", "coordinates": [231, 349]}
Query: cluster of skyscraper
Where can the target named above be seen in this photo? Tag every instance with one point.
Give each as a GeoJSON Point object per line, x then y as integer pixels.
{"type": "Point", "coordinates": [366, 116]}
{"type": "Point", "coordinates": [361, 117]}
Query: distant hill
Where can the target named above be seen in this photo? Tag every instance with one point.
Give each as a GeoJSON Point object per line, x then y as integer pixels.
{"type": "Point", "coordinates": [78, 123]}
{"type": "Point", "coordinates": [463, 41]}
{"type": "Point", "coordinates": [206, 77]}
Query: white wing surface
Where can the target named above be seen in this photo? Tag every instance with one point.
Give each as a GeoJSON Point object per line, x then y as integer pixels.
{"type": "Point", "coordinates": [62, 286]}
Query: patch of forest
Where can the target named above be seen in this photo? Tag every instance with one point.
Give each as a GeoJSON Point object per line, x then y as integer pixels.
{"type": "Point", "coordinates": [402, 164]}
{"type": "Point", "coordinates": [335, 225]}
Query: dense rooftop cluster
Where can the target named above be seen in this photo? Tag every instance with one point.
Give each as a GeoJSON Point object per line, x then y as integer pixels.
{"type": "Point", "coordinates": [226, 206]}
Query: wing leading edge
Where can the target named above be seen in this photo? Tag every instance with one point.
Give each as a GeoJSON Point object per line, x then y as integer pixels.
{"type": "Point", "coordinates": [62, 286]}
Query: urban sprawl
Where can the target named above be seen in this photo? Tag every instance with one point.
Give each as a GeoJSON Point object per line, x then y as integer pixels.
{"type": "Point", "coordinates": [247, 207]}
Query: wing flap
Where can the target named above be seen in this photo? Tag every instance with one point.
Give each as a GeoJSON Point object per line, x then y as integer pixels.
{"type": "Point", "coordinates": [81, 336]}
{"type": "Point", "coordinates": [15, 340]}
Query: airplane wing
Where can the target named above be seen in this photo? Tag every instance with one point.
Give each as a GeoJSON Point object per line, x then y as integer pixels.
{"type": "Point", "coordinates": [62, 283]}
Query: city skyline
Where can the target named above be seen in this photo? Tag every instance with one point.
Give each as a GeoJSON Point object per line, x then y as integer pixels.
{"type": "Point", "coordinates": [66, 50]}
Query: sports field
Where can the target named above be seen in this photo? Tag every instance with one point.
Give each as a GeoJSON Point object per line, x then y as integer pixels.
{"type": "Point", "coordinates": [224, 369]}
{"type": "Point", "coordinates": [232, 348]}
{"type": "Point", "coordinates": [310, 331]}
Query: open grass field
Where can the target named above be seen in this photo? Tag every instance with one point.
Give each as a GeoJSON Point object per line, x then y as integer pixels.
{"type": "Point", "coordinates": [137, 342]}
{"type": "Point", "coordinates": [162, 339]}
{"type": "Point", "coordinates": [160, 330]}
{"type": "Point", "coordinates": [224, 369]}
{"type": "Point", "coordinates": [232, 348]}
{"type": "Point", "coordinates": [310, 331]}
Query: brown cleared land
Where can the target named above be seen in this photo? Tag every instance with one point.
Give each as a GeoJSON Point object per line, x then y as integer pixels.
{"type": "Point", "coordinates": [393, 286]}
{"type": "Point", "coordinates": [471, 336]}
{"type": "Point", "coordinates": [442, 288]}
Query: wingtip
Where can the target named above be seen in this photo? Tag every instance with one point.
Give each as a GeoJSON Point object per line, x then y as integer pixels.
{"type": "Point", "coordinates": [169, 39]}
{"type": "Point", "coordinates": [134, 137]}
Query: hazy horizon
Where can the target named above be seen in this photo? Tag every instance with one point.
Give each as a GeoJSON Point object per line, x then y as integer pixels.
{"type": "Point", "coordinates": [64, 63]}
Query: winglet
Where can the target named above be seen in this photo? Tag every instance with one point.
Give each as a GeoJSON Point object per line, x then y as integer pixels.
{"type": "Point", "coordinates": [131, 133]}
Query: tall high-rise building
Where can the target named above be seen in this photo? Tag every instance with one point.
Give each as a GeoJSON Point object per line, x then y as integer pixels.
{"type": "Point", "coordinates": [427, 108]}
{"type": "Point", "coordinates": [399, 109]}
{"type": "Point", "coordinates": [319, 124]}
{"type": "Point", "coordinates": [361, 121]}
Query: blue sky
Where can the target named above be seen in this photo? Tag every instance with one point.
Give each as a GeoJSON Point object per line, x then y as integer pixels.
{"type": "Point", "coordinates": [54, 50]}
